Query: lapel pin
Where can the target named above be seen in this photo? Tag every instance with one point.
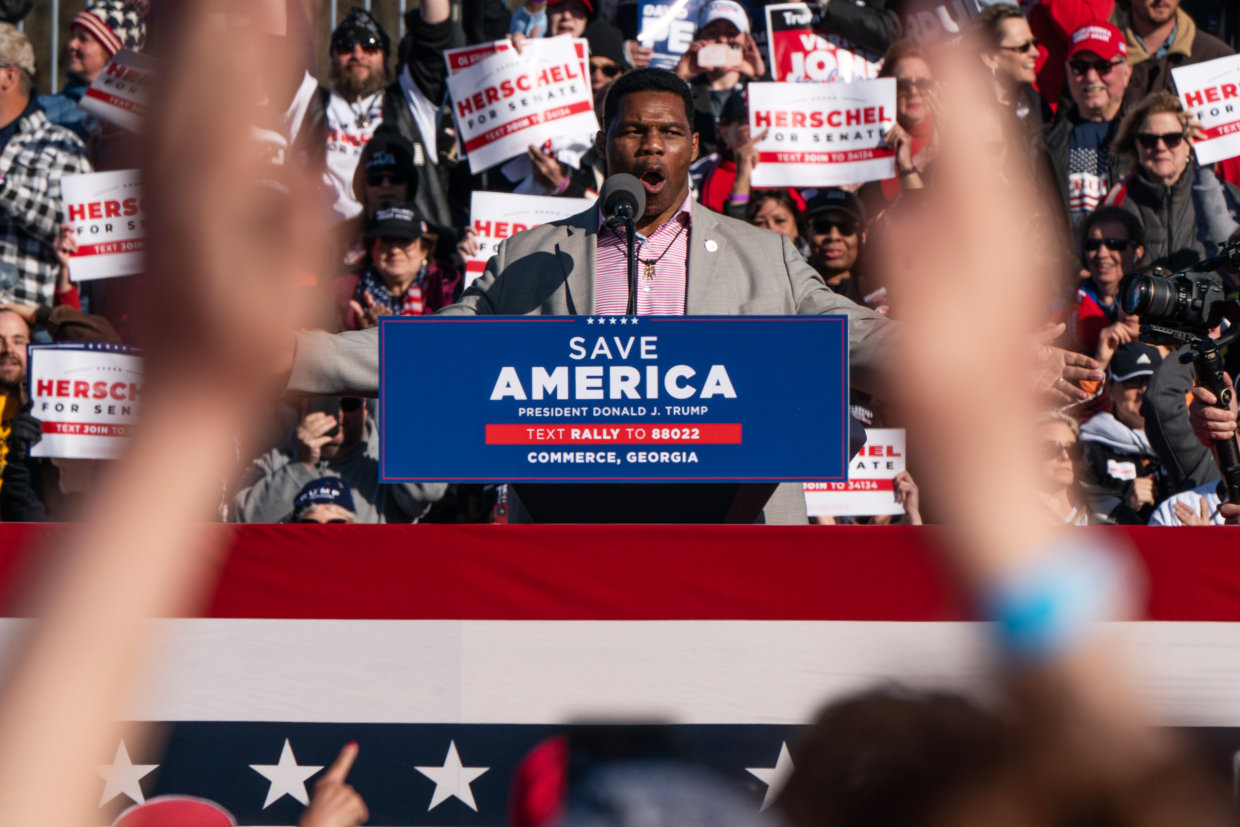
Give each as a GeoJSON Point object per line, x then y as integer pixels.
{"type": "Point", "coordinates": [711, 246]}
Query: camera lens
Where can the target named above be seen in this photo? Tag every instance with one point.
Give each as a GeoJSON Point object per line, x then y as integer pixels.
{"type": "Point", "coordinates": [1150, 296]}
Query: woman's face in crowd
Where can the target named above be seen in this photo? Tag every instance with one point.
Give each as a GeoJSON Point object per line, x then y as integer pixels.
{"type": "Point", "coordinates": [1011, 61]}
{"type": "Point", "coordinates": [1162, 163]}
{"type": "Point", "coordinates": [1057, 444]}
{"type": "Point", "coordinates": [86, 55]}
{"type": "Point", "coordinates": [835, 240]}
{"type": "Point", "coordinates": [721, 31]}
{"type": "Point", "coordinates": [773, 215]}
{"type": "Point", "coordinates": [568, 17]}
{"type": "Point", "coordinates": [913, 81]}
{"type": "Point", "coordinates": [397, 259]}
{"type": "Point", "coordinates": [1109, 256]}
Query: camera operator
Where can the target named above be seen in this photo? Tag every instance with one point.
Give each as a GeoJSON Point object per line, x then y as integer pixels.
{"type": "Point", "coordinates": [1121, 473]}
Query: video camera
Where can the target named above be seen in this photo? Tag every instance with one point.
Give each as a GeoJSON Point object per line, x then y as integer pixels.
{"type": "Point", "coordinates": [1181, 309]}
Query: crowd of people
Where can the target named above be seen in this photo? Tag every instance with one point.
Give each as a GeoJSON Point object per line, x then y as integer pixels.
{"type": "Point", "coordinates": [1077, 111]}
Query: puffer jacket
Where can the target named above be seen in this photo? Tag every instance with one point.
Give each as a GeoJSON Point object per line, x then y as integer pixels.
{"type": "Point", "coordinates": [1176, 236]}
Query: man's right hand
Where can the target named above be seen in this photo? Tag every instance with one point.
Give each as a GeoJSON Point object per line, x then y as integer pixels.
{"type": "Point", "coordinates": [312, 436]}
{"type": "Point", "coordinates": [1210, 423]}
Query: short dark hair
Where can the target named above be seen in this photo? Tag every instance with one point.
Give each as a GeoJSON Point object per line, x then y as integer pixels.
{"type": "Point", "coordinates": [782, 196]}
{"type": "Point", "coordinates": [646, 80]}
{"type": "Point", "coordinates": [1110, 214]}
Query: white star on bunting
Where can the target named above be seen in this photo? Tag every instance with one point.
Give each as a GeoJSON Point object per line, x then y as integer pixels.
{"type": "Point", "coordinates": [774, 777]}
{"type": "Point", "coordinates": [122, 777]}
{"type": "Point", "coordinates": [287, 777]}
{"type": "Point", "coordinates": [452, 780]}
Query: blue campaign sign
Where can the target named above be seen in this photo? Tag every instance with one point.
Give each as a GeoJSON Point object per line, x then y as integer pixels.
{"type": "Point", "coordinates": [667, 26]}
{"type": "Point", "coordinates": [615, 399]}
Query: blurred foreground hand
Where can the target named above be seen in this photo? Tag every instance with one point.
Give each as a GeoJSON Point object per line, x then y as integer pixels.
{"type": "Point", "coordinates": [228, 230]}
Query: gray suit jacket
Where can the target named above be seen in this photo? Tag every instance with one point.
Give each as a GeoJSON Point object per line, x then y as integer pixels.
{"type": "Point", "coordinates": [549, 271]}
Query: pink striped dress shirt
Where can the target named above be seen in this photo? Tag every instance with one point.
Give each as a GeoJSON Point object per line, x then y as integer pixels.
{"type": "Point", "coordinates": [662, 295]}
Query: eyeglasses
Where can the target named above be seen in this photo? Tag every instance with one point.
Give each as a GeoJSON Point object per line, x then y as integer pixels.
{"type": "Point", "coordinates": [345, 41]}
{"type": "Point", "coordinates": [378, 176]}
{"type": "Point", "coordinates": [906, 85]}
{"type": "Point", "coordinates": [823, 225]}
{"type": "Point", "coordinates": [1053, 450]}
{"type": "Point", "coordinates": [1115, 245]}
{"type": "Point", "coordinates": [393, 241]}
{"type": "Point", "coordinates": [333, 521]}
{"type": "Point", "coordinates": [1102, 67]}
{"type": "Point", "coordinates": [1031, 43]}
{"type": "Point", "coordinates": [608, 69]}
{"type": "Point", "coordinates": [1149, 140]}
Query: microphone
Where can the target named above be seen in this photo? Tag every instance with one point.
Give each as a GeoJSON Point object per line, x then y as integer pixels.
{"type": "Point", "coordinates": [623, 196]}
{"type": "Point", "coordinates": [624, 201]}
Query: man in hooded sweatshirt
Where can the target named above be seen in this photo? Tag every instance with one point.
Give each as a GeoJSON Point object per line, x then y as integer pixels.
{"type": "Point", "coordinates": [1122, 474]}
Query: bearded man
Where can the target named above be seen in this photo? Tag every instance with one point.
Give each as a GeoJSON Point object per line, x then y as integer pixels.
{"type": "Point", "coordinates": [354, 107]}
{"type": "Point", "coordinates": [366, 92]}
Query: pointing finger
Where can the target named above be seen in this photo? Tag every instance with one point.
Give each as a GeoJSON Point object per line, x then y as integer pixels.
{"type": "Point", "coordinates": [339, 770]}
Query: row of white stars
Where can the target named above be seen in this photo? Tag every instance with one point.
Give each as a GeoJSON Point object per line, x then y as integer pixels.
{"type": "Point", "coordinates": [452, 780]}
{"type": "Point", "coordinates": [611, 320]}
{"type": "Point", "coordinates": [287, 777]}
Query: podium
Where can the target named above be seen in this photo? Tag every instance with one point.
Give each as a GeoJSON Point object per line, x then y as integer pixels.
{"type": "Point", "coordinates": [633, 419]}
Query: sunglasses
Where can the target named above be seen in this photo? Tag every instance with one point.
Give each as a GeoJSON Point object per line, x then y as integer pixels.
{"type": "Point", "coordinates": [608, 69]}
{"type": "Point", "coordinates": [378, 176]}
{"type": "Point", "coordinates": [822, 226]}
{"type": "Point", "coordinates": [1102, 67]}
{"type": "Point", "coordinates": [907, 85]}
{"type": "Point", "coordinates": [1053, 450]}
{"type": "Point", "coordinates": [350, 404]}
{"type": "Point", "coordinates": [1149, 140]}
{"type": "Point", "coordinates": [333, 521]}
{"type": "Point", "coordinates": [1031, 43]}
{"type": "Point", "coordinates": [1115, 245]}
{"type": "Point", "coordinates": [345, 41]}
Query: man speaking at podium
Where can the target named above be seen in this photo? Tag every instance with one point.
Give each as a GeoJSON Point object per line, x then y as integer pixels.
{"type": "Point", "coordinates": [691, 261]}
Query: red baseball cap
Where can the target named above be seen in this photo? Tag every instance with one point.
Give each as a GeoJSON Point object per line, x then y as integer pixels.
{"type": "Point", "coordinates": [1103, 39]}
{"type": "Point", "coordinates": [589, 4]}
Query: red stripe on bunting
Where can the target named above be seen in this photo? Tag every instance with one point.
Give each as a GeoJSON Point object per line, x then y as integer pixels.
{"type": "Point", "coordinates": [637, 572]}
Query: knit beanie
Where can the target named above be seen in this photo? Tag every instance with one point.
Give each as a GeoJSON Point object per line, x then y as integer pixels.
{"type": "Point", "coordinates": [116, 24]}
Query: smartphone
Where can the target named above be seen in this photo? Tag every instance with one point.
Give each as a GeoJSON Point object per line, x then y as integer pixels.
{"type": "Point", "coordinates": [329, 405]}
{"type": "Point", "coordinates": [719, 55]}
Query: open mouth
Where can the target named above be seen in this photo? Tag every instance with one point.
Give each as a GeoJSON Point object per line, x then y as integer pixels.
{"type": "Point", "coordinates": [653, 180]}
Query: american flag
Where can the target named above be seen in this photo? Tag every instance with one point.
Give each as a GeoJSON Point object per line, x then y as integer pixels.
{"type": "Point", "coordinates": [449, 652]}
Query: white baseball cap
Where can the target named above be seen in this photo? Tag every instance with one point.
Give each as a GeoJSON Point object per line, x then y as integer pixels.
{"type": "Point", "coordinates": [728, 10]}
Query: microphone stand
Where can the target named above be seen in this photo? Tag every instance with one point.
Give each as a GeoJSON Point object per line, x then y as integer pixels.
{"type": "Point", "coordinates": [624, 215]}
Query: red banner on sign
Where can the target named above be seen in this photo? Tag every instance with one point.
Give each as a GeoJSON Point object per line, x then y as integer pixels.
{"type": "Point", "coordinates": [534, 119]}
{"type": "Point", "coordinates": [87, 429]}
{"type": "Point", "coordinates": [720, 433]}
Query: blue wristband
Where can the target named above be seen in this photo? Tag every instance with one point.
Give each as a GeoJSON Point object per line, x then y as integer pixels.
{"type": "Point", "coordinates": [1049, 606]}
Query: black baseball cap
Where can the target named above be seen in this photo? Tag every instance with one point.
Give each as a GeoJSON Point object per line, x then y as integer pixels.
{"type": "Point", "coordinates": [396, 219]}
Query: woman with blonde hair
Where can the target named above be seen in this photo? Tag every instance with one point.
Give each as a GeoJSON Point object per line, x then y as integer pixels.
{"type": "Point", "coordinates": [1058, 483]}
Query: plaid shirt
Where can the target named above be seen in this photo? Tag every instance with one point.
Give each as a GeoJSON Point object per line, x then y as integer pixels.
{"type": "Point", "coordinates": [31, 212]}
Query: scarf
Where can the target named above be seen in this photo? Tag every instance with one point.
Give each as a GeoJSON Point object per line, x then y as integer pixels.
{"type": "Point", "coordinates": [412, 305]}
